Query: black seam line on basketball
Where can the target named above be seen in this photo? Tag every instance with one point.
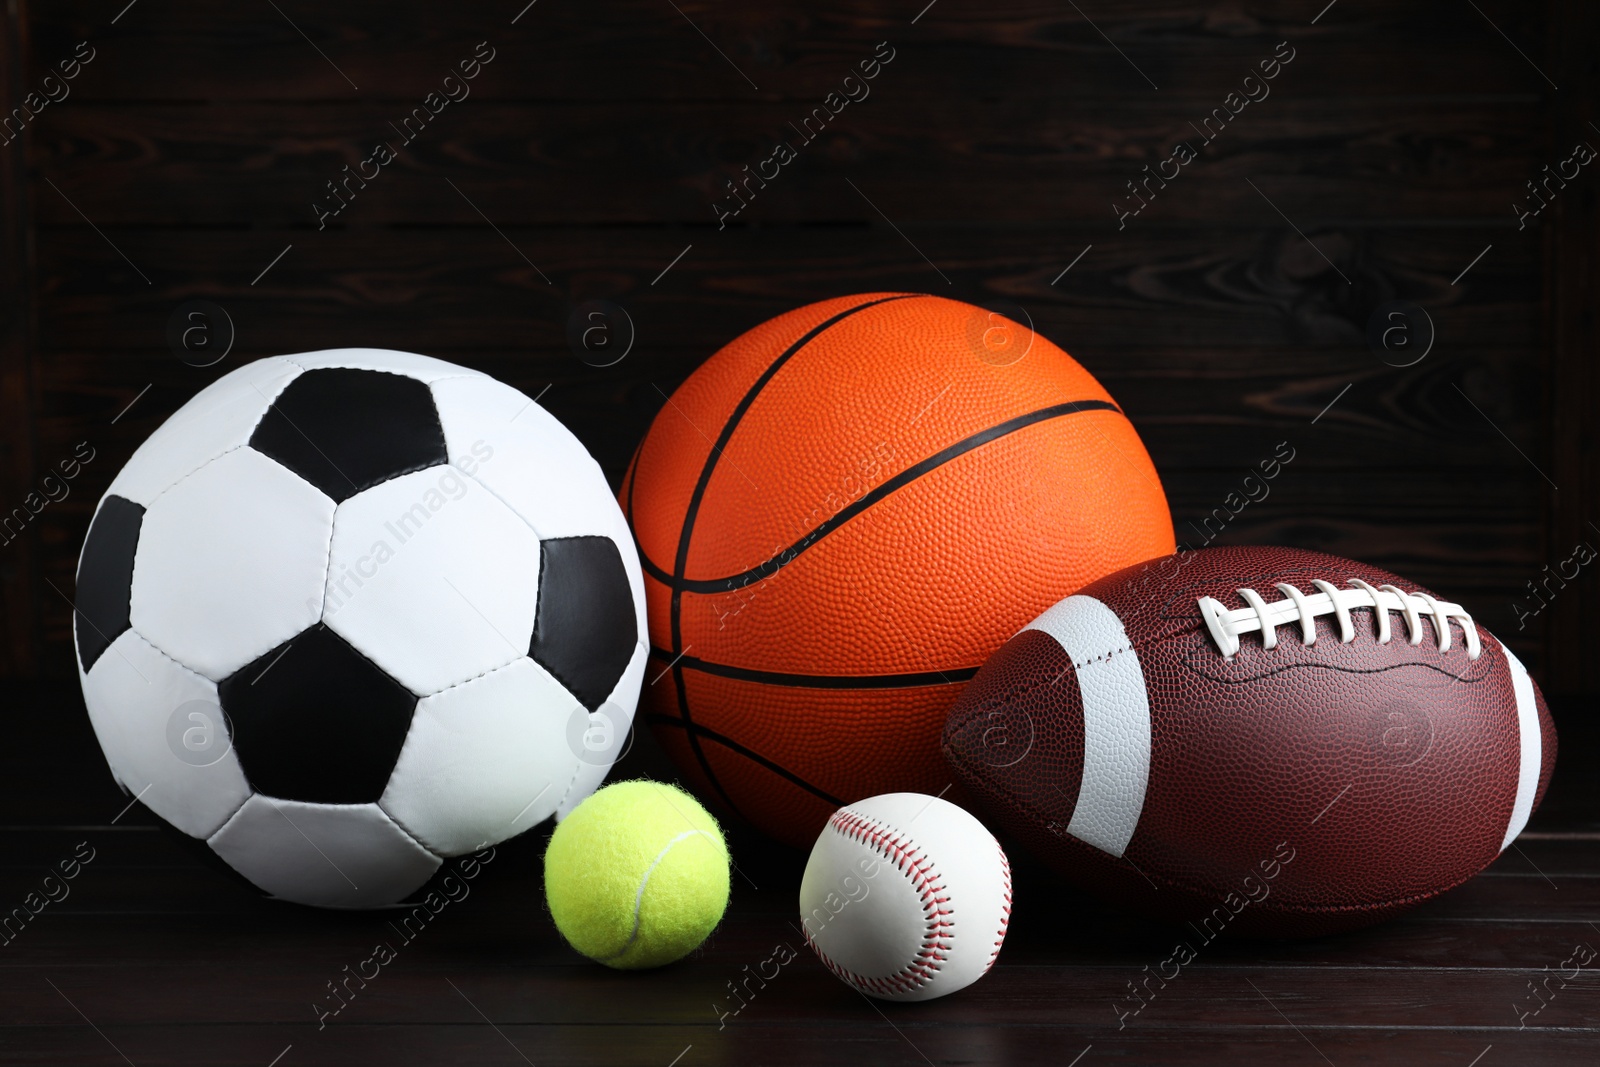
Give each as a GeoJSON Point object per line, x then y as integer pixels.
{"type": "Point", "coordinates": [681, 690]}
{"type": "Point", "coordinates": [845, 514]}
{"type": "Point", "coordinates": [675, 612]}
{"type": "Point", "coordinates": [691, 513]}
{"type": "Point", "coordinates": [695, 729]}
{"type": "Point", "coordinates": [916, 680]}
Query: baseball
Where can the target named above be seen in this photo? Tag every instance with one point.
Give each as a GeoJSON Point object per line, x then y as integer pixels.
{"type": "Point", "coordinates": [906, 897]}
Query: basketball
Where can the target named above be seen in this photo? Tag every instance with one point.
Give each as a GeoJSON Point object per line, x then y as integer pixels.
{"type": "Point", "coordinates": [841, 515]}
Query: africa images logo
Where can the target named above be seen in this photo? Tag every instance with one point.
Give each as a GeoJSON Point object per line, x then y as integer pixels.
{"type": "Point", "coordinates": [851, 89]}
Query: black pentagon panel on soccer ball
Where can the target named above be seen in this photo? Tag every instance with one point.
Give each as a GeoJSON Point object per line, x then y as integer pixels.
{"type": "Point", "coordinates": [317, 721]}
{"type": "Point", "coordinates": [105, 577]}
{"type": "Point", "coordinates": [345, 430]}
{"type": "Point", "coordinates": [585, 630]}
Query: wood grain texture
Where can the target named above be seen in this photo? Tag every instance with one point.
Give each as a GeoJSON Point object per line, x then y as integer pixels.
{"type": "Point", "coordinates": [588, 162]}
{"type": "Point", "coordinates": [1572, 385]}
{"type": "Point", "coordinates": [19, 604]}
{"type": "Point", "coordinates": [1208, 287]}
{"type": "Point", "coordinates": [641, 51]}
{"type": "Point", "coordinates": [172, 962]}
{"type": "Point", "coordinates": [866, 1038]}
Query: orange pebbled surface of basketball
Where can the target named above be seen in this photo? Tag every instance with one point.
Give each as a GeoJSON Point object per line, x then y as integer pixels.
{"type": "Point", "coordinates": [869, 514]}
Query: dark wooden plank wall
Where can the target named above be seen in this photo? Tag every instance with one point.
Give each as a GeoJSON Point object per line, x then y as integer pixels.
{"type": "Point", "coordinates": [1573, 386]}
{"type": "Point", "coordinates": [19, 616]}
{"type": "Point", "coordinates": [997, 139]}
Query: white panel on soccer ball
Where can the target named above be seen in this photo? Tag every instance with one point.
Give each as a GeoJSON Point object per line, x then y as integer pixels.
{"type": "Point", "coordinates": [422, 368]}
{"type": "Point", "coordinates": [607, 737]}
{"type": "Point", "coordinates": [433, 579]}
{"type": "Point", "coordinates": [331, 855]}
{"type": "Point", "coordinates": [523, 453]}
{"type": "Point", "coordinates": [231, 563]}
{"type": "Point", "coordinates": [163, 733]}
{"type": "Point", "coordinates": [534, 463]}
{"type": "Point", "coordinates": [220, 417]}
{"type": "Point", "coordinates": [486, 759]}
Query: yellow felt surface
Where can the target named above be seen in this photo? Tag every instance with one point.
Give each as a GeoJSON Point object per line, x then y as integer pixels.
{"type": "Point", "coordinates": [627, 835]}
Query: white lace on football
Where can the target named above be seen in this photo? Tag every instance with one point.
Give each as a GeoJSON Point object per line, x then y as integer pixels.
{"type": "Point", "coordinates": [1297, 607]}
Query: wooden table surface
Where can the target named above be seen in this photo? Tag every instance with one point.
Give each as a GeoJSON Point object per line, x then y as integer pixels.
{"type": "Point", "coordinates": [153, 956]}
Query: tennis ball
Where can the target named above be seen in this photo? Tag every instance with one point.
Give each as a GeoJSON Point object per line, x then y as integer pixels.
{"type": "Point", "coordinates": [637, 875]}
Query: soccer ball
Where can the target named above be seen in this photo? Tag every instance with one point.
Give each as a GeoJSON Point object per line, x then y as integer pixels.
{"type": "Point", "coordinates": [349, 613]}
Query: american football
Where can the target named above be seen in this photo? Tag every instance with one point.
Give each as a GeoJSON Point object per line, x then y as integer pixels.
{"type": "Point", "coordinates": [1259, 741]}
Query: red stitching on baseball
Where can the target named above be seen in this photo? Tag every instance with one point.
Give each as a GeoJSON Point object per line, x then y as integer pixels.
{"type": "Point", "coordinates": [911, 862]}
{"type": "Point", "coordinates": [1005, 910]}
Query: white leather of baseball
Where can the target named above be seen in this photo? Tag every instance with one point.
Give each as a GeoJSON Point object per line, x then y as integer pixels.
{"type": "Point", "coordinates": [906, 897]}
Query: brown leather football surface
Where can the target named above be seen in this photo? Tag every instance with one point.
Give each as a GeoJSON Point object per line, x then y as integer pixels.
{"type": "Point", "coordinates": [1292, 790]}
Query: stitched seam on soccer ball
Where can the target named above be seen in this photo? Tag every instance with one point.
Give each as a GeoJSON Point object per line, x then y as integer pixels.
{"type": "Point", "coordinates": [920, 870]}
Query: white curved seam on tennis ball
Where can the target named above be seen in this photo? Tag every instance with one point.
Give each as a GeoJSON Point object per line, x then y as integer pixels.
{"type": "Point", "coordinates": [638, 901]}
